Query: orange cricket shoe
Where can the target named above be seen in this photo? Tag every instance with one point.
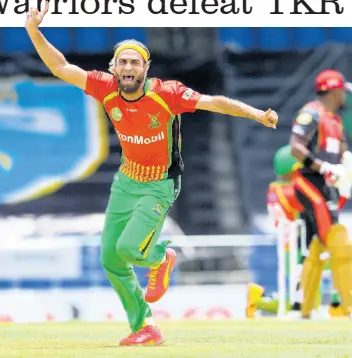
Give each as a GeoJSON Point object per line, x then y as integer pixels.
{"type": "Point", "coordinates": [147, 336]}
{"type": "Point", "coordinates": [159, 278]}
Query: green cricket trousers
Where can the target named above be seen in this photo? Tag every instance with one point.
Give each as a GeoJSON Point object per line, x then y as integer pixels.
{"type": "Point", "coordinates": [135, 216]}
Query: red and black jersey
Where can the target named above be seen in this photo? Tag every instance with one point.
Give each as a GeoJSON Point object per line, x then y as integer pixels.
{"type": "Point", "coordinates": [322, 129]}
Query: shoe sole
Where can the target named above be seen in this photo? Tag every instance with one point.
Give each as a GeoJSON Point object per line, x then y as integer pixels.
{"type": "Point", "coordinates": [147, 344]}
{"type": "Point", "coordinates": [172, 265]}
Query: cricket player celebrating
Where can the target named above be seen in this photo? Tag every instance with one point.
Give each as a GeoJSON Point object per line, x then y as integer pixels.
{"type": "Point", "coordinates": [319, 143]}
{"type": "Point", "coordinates": [145, 113]}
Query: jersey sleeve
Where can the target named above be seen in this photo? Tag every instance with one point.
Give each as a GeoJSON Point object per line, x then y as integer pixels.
{"type": "Point", "coordinates": [180, 98]}
{"type": "Point", "coordinates": [306, 123]}
{"type": "Point", "coordinates": [99, 85]}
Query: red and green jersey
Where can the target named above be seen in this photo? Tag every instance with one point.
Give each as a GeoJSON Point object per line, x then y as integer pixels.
{"type": "Point", "coordinates": [149, 128]}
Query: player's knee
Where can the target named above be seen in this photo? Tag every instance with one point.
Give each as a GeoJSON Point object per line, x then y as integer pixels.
{"type": "Point", "coordinates": [121, 250]}
{"type": "Point", "coordinates": [338, 241]}
{"type": "Point", "coordinates": [125, 251]}
{"type": "Point", "coordinates": [106, 258]}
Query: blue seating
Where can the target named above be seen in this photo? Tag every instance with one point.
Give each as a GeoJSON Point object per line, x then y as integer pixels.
{"type": "Point", "coordinates": [307, 37]}
{"type": "Point", "coordinates": [125, 33]}
{"type": "Point", "coordinates": [341, 34]}
{"type": "Point", "coordinates": [60, 37]}
{"type": "Point", "coordinates": [275, 38]}
{"type": "Point", "coordinates": [15, 40]}
{"type": "Point", "coordinates": [238, 36]}
{"type": "Point", "coordinates": [92, 39]}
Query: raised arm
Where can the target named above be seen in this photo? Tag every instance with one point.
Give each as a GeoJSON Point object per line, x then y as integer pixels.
{"type": "Point", "coordinates": [224, 105]}
{"type": "Point", "coordinates": [52, 57]}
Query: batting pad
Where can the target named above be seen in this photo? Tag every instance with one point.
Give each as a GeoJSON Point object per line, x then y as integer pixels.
{"type": "Point", "coordinates": [340, 247]}
{"type": "Point", "coordinates": [311, 277]}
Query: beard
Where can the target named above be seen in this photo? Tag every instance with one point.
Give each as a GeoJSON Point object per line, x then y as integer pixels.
{"type": "Point", "coordinates": [130, 87]}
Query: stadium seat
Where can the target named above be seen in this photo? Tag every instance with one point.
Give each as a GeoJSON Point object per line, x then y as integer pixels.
{"type": "Point", "coordinates": [92, 39]}
{"type": "Point", "coordinates": [15, 40]}
{"type": "Point", "coordinates": [60, 37]}
{"type": "Point", "coordinates": [307, 37]}
{"type": "Point", "coordinates": [341, 34]}
{"type": "Point", "coordinates": [275, 38]}
{"type": "Point", "coordinates": [237, 36]}
{"type": "Point", "coordinates": [125, 33]}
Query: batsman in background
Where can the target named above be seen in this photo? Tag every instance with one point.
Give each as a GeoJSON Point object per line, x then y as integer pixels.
{"type": "Point", "coordinates": [283, 205]}
{"type": "Point", "coordinates": [318, 141]}
{"type": "Point", "coordinates": [145, 113]}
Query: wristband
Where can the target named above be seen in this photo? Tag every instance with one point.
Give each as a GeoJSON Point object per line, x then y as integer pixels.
{"type": "Point", "coordinates": [309, 160]}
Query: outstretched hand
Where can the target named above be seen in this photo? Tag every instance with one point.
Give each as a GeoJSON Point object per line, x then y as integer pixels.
{"type": "Point", "coordinates": [34, 17]}
{"type": "Point", "coordinates": [270, 119]}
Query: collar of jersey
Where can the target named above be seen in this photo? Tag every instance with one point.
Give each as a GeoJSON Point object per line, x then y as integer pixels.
{"type": "Point", "coordinates": [145, 90]}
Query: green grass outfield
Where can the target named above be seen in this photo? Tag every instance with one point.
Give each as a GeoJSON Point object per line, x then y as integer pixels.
{"type": "Point", "coordinates": [258, 338]}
